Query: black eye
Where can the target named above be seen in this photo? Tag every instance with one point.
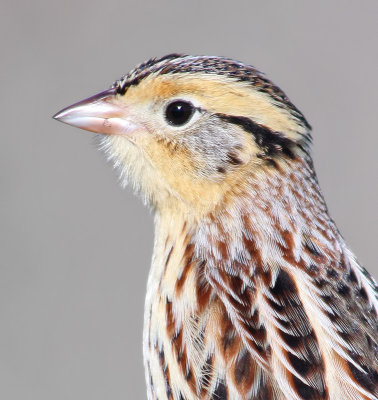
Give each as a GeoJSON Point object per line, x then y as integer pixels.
{"type": "Point", "coordinates": [179, 112]}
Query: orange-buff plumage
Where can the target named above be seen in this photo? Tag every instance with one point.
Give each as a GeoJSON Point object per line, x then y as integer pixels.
{"type": "Point", "coordinates": [253, 293]}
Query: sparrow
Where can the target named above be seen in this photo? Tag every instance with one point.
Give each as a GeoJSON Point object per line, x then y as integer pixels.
{"type": "Point", "coordinates": [253, 292]}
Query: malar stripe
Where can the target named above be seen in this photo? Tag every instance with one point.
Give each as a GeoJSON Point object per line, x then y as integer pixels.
{"type": "Point", "coordinates": [272, 143]}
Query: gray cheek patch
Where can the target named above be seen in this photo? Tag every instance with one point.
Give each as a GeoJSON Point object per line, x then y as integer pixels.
{"type": "Point", "coordinates": [215, 147]}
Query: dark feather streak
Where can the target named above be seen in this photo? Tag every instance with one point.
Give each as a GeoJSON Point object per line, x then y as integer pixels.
{"type": "Point", "coordinates": [271, 143]}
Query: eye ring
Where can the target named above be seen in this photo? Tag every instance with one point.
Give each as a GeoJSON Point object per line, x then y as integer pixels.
{"type": "Point", "coordinates": [179, 112]}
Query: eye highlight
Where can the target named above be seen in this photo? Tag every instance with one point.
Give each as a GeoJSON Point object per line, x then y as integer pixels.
{"type": "Point", "coordinates": [179, 112]}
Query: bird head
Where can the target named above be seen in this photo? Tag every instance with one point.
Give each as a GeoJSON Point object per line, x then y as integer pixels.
{"type": "Point", "coordinates": [189, 130]}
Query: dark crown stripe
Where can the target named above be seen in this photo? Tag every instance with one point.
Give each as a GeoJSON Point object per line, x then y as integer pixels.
{"type": "Point", "coordinates": [181, 63]}
{"type": "Point", "coordinates": [142, 71]}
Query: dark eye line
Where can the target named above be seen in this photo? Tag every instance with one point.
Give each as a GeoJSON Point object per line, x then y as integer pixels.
{"type": "Point", "coordinates": [272, 143]}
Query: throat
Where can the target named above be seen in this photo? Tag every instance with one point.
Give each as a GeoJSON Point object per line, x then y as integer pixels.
{"type": "Point", "coordinates": [173, 253]}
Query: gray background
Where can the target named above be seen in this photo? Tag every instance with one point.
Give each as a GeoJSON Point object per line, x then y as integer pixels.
{"type": "Point", "coordinates": [75, 248]}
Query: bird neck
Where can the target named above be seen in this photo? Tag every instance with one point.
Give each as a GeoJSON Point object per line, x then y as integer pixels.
{"type": "Point", "coordinates": [273, 221]}
{"type": "Point", "coordinates": [279, 209]}
{"type": "Point", "coordinates": [275, 218]}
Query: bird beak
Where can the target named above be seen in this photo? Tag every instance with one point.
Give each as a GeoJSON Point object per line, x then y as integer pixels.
{"type": "Point", "coordinates": [101, 113]}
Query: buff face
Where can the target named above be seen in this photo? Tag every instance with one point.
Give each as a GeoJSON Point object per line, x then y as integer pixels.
{"type": "Point", "coordinates": [200, 159]}
{"type": "Point", "coordinates": [252, 293]}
